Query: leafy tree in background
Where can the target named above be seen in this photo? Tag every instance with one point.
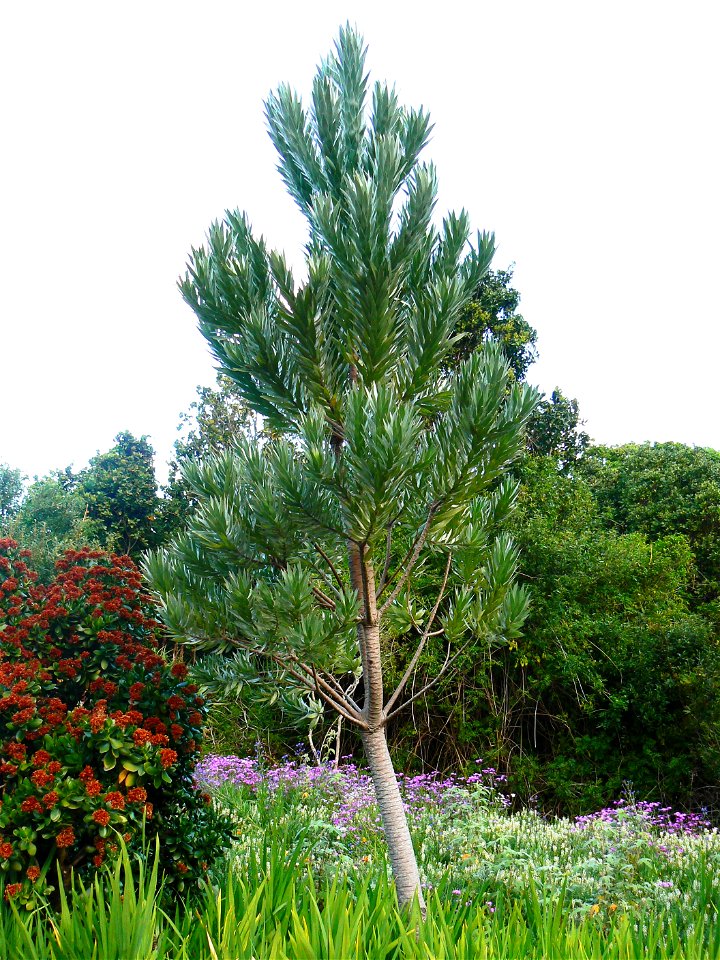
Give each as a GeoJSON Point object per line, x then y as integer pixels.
{"type": "Point", "coordinates": [55, 504]}
{"type": "Point", "coordinates": [302, 553]}
{"type": "Point", "coordinates": [214, 423]}
{"type": "Point", "coordinates": [11, 488]}
{"type": "Point", "coordinates": [120, 491]}
{"type": "Point", "coordinates": [492, 314]}
{"type": "Point", "coordinates": [53, 518]}
{"type": "Point", "coordinates": [620, 680]}
{"type": "Point", "coordinates": [555, 431]}
{"type": "Point", "coordinates": [615, 677]}
{"type": "Point", "coordinates": [662, 489]}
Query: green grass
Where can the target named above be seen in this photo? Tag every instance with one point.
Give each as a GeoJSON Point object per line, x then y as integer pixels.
{"type": "Point", "coordinates": [297, 885]}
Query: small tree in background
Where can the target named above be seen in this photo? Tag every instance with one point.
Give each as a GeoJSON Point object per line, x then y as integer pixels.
{"type": "Point", "coordinates": [492, 313]}
{"type": "Point", "coordinates": [53, 517]}
{"type": "Point", "coordinates": [120, 492]}
{"type": "Point", "coordinates": [301, 552]}
{"type": "Point", "coordinates": [555, 430]}
{"type": "Point", "coordinates": [11, 488]}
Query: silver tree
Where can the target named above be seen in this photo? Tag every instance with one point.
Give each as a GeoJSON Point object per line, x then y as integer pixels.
{"type": "Point", "coordinates": [302, 551]}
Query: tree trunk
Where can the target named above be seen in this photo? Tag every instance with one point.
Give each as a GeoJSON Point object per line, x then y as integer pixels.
{"type": "Point", "coordinates": [387, 791]}
{"type": "Point", "coordinates": [394, 820]}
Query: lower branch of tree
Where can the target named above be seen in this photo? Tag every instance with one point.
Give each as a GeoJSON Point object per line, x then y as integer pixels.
{"type": "Point", "coordinates": [330, 564]}
{"type": "Point", "coordinates": [423, 640]}
{"type": "Point", "coordinates": [443, 669]}
{"type": "Point", "coordinates": [312, 682]}
{"type": "Point", "coordinates": [325, 601]}
{"type": "Point", "coordinates": [321, 689]}
{"type": "Point", "coordinates": [343, 694]}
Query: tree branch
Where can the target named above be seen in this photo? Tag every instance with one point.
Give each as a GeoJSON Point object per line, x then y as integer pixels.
{"type": "Point", "coordinates": [329, 562]}
{"type": "Point", "coordinates": [325, 601]}
{"type": "Point", "coordinates": [333, 703]}
{"type": "Point", "coordinates": [423, 640]}
{"type": "Point", "coordinates": [410, 559]}
{"type": "Point", "coordinates": [329, 678]}
{"type": "Point", "coordinates": [343, 698]}
{"type": "Point", "coordinates": [448, 662]}
{"type": "Point", "coordinates": [351, 713]}
{"type": "Point", "coordinates": [328, 583]}
{"type": "Point", "coordinates": [386, 566]}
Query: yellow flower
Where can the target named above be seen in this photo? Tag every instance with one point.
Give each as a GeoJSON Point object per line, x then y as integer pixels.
{"type": "Point", "coordinates": [594, 909]}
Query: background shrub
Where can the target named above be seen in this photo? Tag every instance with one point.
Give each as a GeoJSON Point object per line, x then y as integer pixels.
{"type": "Point", "coordinates": [616, 677]}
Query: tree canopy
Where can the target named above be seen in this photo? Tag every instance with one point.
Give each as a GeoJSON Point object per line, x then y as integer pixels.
{"type": "Point", "coordinates": [120, 493]}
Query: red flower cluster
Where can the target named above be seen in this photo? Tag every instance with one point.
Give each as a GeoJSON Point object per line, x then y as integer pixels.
{"type": "Point", "coordinates": [115, 800]}
{"type": "Point", "coordinates": [66, 837]}
{"type": "Point", "coordinates": [79, 657]}
{"type": "Point", "coordinates": [168, 758]}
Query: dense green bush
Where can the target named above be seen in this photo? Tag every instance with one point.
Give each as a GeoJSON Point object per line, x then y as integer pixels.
{"type": "Point", "coordinates": [616, 678]}
{"type": "Point", "coordinates": [620, 678]}
{"type": "Point", "coordinates": [662, 489]}
{"type": "Point", "coordinates": [98, 733]}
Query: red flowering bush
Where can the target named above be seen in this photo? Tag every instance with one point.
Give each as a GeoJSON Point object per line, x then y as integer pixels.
{"type": "Point", "coordinates": [98, 733]}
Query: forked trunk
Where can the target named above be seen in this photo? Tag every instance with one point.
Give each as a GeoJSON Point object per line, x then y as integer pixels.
{"type": "Point", "coordinates": [394, 820]}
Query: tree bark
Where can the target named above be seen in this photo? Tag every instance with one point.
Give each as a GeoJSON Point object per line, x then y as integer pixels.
{"type": "Point", "coordinates": [394, 819]}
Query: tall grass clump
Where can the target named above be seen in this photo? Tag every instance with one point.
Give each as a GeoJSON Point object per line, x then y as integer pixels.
{"type": "Point", "coordinates": [308, 877]}
{"type": "Point", "coordinates": [276, 909]}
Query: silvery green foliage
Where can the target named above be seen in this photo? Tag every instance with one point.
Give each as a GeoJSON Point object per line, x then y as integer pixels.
{"type": "Point", "coordinates": [376, 445]}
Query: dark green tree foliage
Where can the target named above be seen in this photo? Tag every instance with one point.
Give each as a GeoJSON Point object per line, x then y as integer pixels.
{"type": "Point", "coordinates": [302, 553]}
{"type": "Point", "coordinates": [52, 518]}
{"type": "Point", "coordinates": [555, 430]}
{"type": "Point", "coordinates": [120, 492]}
{"type": "Point", "coordinates": [661, 489]}
{"type": "Point", "coordinates": [53, 505]}
{"type": "Point", "coordinates": [492, 314]}
{"type": "Point", "coordinates": [11, 488]}
{"type": "Point", "coordinates": [615, 677]}
{"type": "Point", "coordinates": [620, 680]}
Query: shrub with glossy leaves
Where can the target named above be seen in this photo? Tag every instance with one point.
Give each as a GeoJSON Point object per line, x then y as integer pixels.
{"type": "Point", "coordinates": [98, 733]}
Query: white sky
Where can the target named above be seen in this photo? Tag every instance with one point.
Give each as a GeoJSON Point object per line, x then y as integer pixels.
{"type": "Point", "coordinates": [584, 134]}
